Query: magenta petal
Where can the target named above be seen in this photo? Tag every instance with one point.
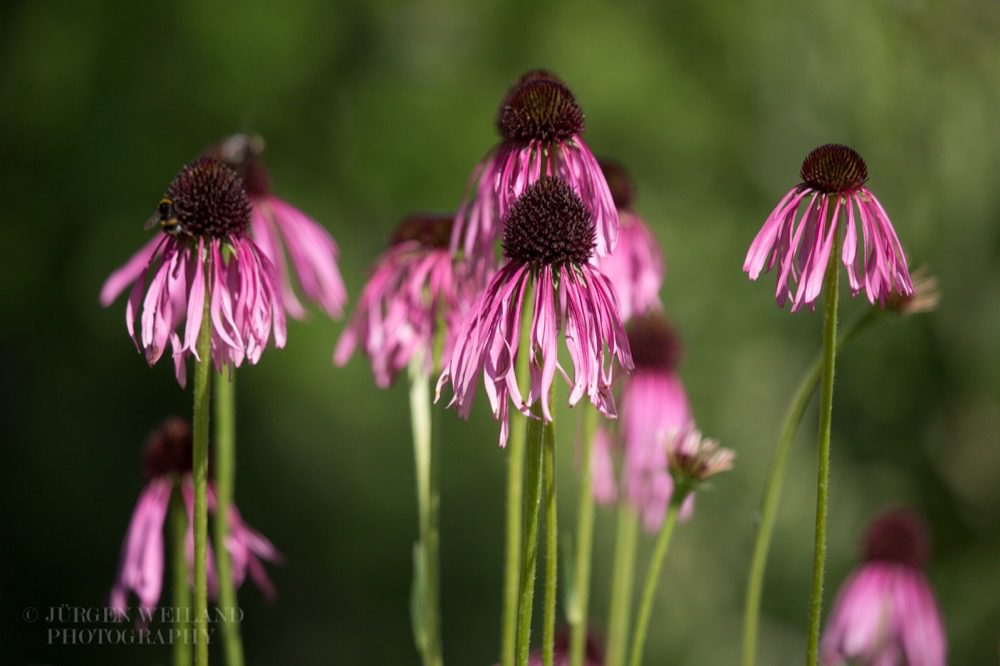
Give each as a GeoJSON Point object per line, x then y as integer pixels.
{"type": "Point", "coordinates": [141, 566]}
{"type": "Point", "coordinates": [131, 272]}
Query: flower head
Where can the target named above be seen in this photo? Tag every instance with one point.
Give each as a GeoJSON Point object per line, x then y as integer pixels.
{"type": "Point", "coordinates": [694, 459]}
{"type": "Point", "coordinates": [635, 266]}
{"type": "Point", "coordinates": [925, 297]}
{"type": "Point", "coordinates": [541, 123]}
{"type": "Point", "coordinates": [203, 254]}
{"type": "Point", "coordinates": [654, 406]}
{"type": "Point", "coordinates": [833, 181]}
{"type": "Point", "coordinates": [593, 650]}
{"type": "Point", "coordinates": [548, 240]}
{"type": "Point", "coordinates": [413, 295]}
{"type": "Point", "coordinates": [293, 241]}
{"type": "Point", "coordinates": [168, 466]}
{"type": "Point", "coordinates": [885, 613]}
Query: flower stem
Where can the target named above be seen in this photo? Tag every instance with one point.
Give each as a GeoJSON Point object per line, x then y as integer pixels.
{"type": "Point", "coordinates": [551, 545]}
{"type": "Point", "coordinates": [225, 481]}
{"type": "Point", "coordinates": [529, 545]}
{"type": "Point", "coordinates": [584, 543]}
{"type": "Point", "coordinates": [773, 485]}
{"type": "Point", "coordinates": [182, 589]}
{"type": "Point", "coordinates": [515, 487]}
{"type": "Point", "coordinates": [425, 620]}
{"type": "Point", "coordinates": [622, 580]}
{"type": "Point", "coordinates": [199, 473]}
{"type": "Point", "coordinates": [655, 565]}
{"type": "Point", "coordinates": [823, 457]}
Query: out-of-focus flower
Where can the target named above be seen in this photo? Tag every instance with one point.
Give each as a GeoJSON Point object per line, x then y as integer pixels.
{"type": "Point", "coordinates": [414, 294]}
{"type": "Point", "coordinates": [168, 466]}
{"type": "Point", "coordinates": [925, 297]}
{"type": "Point", "coordinates": [654, 407]}
{"type": "Point", "coordinates": [885, 613]}
{"type": "Point", "coordinates": [593, 654]}
{"type": "Point", "coordinates": [548, 241]}
{"type": "Point", "coordinates": [541, 124]}
{"type": "Point", "coordinates": [202, 255]}
{"type": "Point", "coordinates": [635, 266]}
{"type": "Point", "coordinates": [834, 179]}
{"type": "Point", "coordinates": [292, 240]}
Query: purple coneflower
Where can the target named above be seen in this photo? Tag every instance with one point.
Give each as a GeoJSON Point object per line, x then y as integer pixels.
{"type": "Point", "coordinates": [635, 266]}
{"type": "Point", "coordinates": [885, 613]}
{"type": "Point", "coordinates": [541, 124]}
{"type": "Point", "coordinates": [654, 409]}
{"type": "Point", "coordinates": [593, 651]}
{"type": "Point", "coordinates": [413, 291]}
{"type": "Point", "coordinates": [834, 179]}
{"type": "Point", "coordinates": [280, 229]}
{"type": "Point", "coordinates": [202, 255]}
{"type": "Point", "coordinates": [168, 466]}
{"type": "Point", "coordinates": [548, 239]}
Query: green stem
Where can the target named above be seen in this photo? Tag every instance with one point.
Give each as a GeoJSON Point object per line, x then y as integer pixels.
{"type": "Point", "coordinates": [655, 565]}
{"type": "Point", "coordinates": [199, 474]}
{"type": "Point", "coordinates": [225, 481]}
{"type": "Point", "coordinates": [515, 487]}
{"type": "Point", "coordinates": [182, 588]}
{"type": "Point", "coordinates": [823, 462]}
{"type": "Point", "coordinates": [426, 623]}
{"type": "Point", "coordinates": [551, 545]}
{"type": "Point", "coordinates": [773, 485]}
{"type": "Point", "coordinates": [529, 544]}
{"type": "Point", "coordinates": [584, 543]}
{"type": "Point", "coordinates": [622, 580]}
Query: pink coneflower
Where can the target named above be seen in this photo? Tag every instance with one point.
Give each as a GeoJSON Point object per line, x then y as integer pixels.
{"type": "Point", "coordinates": [541, 124]}
{"type": "Point", "coordinates": [593, 651]}
{"type": "Point", "coordinates": [280, 229]}
{"type": "Point", "coordinates": [635, 266]}
{"type": "Point", "coordinates": [413, 291]}
{"type": "Point", "coordinates": [885, 613]}
{"type": "Point", "coordinates": [203, 254]}
{"type": "Point", "coordinates": [834, 179]}
{"type": "Point", "coordinates": [548, 239]}
{"type": "Point", "coordinates": [168, 466]}
{"type": "Point", "coordinates": [654, 409]}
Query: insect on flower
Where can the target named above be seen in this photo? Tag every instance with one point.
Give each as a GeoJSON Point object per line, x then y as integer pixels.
{"type": "Point", "coordinates": [166, 217]}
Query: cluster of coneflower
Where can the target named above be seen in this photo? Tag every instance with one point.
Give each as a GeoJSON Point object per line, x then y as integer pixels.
{"type": "Point", "coordinates": [545, 271]}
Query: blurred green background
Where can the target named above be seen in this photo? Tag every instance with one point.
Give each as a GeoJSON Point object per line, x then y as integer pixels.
{"type": "Point", "coordinates": [373, 109]}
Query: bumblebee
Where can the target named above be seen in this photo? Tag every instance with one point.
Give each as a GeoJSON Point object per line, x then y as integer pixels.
{"type": "Point", "coordinates": [166, 217]}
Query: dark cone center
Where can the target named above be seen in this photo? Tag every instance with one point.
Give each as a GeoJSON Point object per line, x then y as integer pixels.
{"type": "Point", "coordinates": [619, 183]}
{"type": "Point", "coordinates": [539, 108]}
{"type": "Point", "coordinates": [549, 224]}
{"type": "Point", "coordinates": [241, 153]}
{"type": "Point", "coordinates": [834, 168]}
{"type": "Point", "coordinates": [207, 199]}
{"type": "Point", "coordinates": [654, 343]}
{"type": "Point", "coordinates": [899, 536]}
{"type": "Point", "coordinates": [169, 449]}
{"type": "Point", "coordinates": [431, 231]}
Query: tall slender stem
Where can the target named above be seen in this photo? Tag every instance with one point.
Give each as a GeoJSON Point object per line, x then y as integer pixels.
{"type": "Point", "coordinates": [225, 482]}
{"type": "Point", "coordinates": [426, 622]}
{"type": "Point", "coordinates": [199, 473]}
{"type": "Point", "coordinates": [515, 487]}
{"type": "Point", "coordinates": [529, 544]}
{"type": "Point", "coordinates": [823, 457]}
{"type": "Point", "coordinates": [551, 545]}
{"type": "Point", "coordinates": [773, 485]}
{"type": "Point", "coordinates": [584, 543]}
{"type": "Point", "coordinates": [622, 580]}
{"type": "Point", "coordinates": [655, 565]}
{"type": "Point", "coordinates": [182, 587]}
